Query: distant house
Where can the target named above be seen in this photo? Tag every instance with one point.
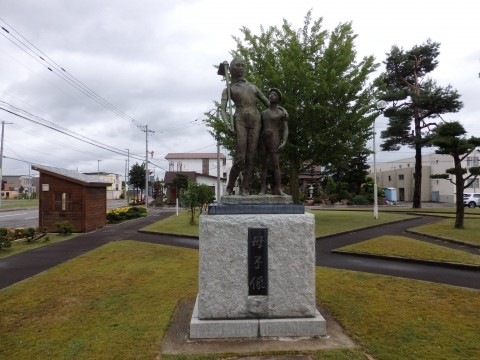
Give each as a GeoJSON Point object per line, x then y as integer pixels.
{"type": "Point", "coordinates": [12, 185]}
{"type": "Point", "coordinates": [70, 195]}
{"type": "Point", "coordinates": [114, 190]}
{"type": "Point", "coordinates": [201, 168]}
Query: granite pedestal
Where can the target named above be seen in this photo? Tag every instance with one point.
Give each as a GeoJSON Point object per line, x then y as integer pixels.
{"type": "Point", "coordinates": [232, 302]}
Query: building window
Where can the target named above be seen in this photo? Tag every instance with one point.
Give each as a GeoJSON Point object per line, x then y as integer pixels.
{"type": "Point", "coordinates": [475, 184]}
{"type": "Point", "coordinates": [472, 161]}
{"type": "Point", "coordinates": [224, 174]}
{"type": "Point", "coordinates": [399, 166]}
{"type": "Point", "coordinates": [401, 177]}
{"type": "Point", "coordinates": [389, 178]}
{"type": "Point", "coordinates": [171, 166]}
{"type": "Point", "coordinates": [224, 161]}
{"type": "Point", "coordinates": [179, 166]}
{"type": "Point", "coordinates": [63, 201]}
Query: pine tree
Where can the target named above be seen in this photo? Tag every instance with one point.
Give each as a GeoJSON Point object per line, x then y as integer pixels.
{"type": "Point", "coordinates": [416, 102]}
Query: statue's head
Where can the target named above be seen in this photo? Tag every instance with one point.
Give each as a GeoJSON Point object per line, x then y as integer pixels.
{"type": "Point", "coordinates": [274, 95]}
{"type": "Point", "coordinates": [237, 67]}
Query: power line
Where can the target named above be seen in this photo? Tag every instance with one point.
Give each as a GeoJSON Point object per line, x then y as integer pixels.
{"type": "Point", "coordinates": [40, 56]}
{"type": "Point", "coordinates": [71, 134]}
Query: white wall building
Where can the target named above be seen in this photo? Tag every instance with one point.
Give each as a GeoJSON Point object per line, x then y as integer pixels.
{"type": "Point", "coordinates": [399, 174]}
{"type": "Point", "coordinates": [115, 189]}
{"type": "Point", "coordinates": [200, 167]}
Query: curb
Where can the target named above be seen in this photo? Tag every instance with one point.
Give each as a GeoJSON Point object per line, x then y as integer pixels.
{"type": "Point", "coordinates": [409, 260]}
{"type": "Point", "coordinates": [167, 234]}
{"type": "Point", "coordinates": [363, 228]}
{"type": "Point", "coordinates": [475, 246]}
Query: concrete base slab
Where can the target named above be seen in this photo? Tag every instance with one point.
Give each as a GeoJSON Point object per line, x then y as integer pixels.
{"type": "Point", "coordinates": [296, 327]}
{"type": "Point", "coordinates": [256, 328]}
{"type": "Point", "coordinates": [177, 340]}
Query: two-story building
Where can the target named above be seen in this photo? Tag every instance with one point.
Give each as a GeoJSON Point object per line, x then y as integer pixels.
{"type": "Point", "coordinates": [115, 189]}
{"type": "Point", "coordinates": [12, 185]}
{"type": "Point", "coordinates": [399, 175]}
{"type": "Point", "coordinates": [204, 168]}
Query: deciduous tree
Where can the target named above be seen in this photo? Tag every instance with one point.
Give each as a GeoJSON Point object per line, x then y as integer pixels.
{"type": "Point", "coordinates": [324, 88]}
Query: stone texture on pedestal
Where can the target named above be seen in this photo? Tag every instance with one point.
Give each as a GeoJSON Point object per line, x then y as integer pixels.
{"type": "Point", "coordinates": [223, 274]}
{"type": "Point", "coordinates": [256, 328]}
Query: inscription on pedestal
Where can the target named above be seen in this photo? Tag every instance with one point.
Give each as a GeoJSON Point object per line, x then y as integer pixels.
{"type": "Point", "coordinates": [257, 261]}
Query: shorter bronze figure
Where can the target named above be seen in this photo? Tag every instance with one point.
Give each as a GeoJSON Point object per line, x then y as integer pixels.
{"type": "Point", "coordinates": [270, 144]}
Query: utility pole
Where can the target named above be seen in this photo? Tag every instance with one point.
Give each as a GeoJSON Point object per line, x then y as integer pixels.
{"type": "Point", "coordinates": [98, 169]}
{"type": "Point", "coordinates": [1, 162]}
{"type": "Point", "coordinates": [146, 165]}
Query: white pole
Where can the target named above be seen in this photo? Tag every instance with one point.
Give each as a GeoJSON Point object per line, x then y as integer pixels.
{"type": "Point", "coordinates": [1, 165]}
{"type": "Point", "coordinates": [146, 167]}
{"type": "Point", "coordinates": [381, 105]}
{"type": "Point", "coordinates": [127, 175]}
{"type": "Point", "coordinates": [375, 196]}
{"type": "Point", "coordinates": [177, 205]}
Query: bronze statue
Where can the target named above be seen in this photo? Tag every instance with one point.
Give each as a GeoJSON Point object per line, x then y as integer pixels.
{"type": "Point", "coordinates": [246, 122]}
{"type": "Point", "coordinates": [270, 144]}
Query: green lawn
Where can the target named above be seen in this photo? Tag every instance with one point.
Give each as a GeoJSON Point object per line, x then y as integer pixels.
{"type": "Point", "coordinates": [179, 225]}
{"type": "Point", "coordinates": [12, 204]}
{"type": "Point", "coordinates": [117, 301]}
{"type": "Point", "coordinates": [329, 222]}
{"type": "Point", "coordinates": [326, 222]}
{"type": "Point", "coordinates": [403, 247]}
{"type": "Point", "coordinates": [445, 229]}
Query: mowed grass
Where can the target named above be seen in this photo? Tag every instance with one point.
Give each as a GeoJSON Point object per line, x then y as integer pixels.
{"type": "Point", "coordinates": [445, 229]}
{"type": "Point", "coordinates": [112, 303]}
{"type": "Point", "coordinates": [326, 222]}
{"type": "Point", "coordinates": [403, 247]}
{"type": "Point", "coordinates": [398, 319]}
{"type": "Point", "coordinates": [178, 225]}
{"type": "Point", "coordinates": [13, 203]}
{"type": "Point", "coordinates": [117, 301]}
{"type": "Point", "coordinates": [329, 222]}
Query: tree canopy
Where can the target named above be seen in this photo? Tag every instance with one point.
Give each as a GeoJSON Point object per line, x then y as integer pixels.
{"type": "Point", "coordinates": [324, 91]}
{"type": "Point", "coordinates": [416, 102]}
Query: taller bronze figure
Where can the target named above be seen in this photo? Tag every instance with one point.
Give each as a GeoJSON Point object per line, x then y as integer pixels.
{"type": "Point", "coordinates": [245, 124]}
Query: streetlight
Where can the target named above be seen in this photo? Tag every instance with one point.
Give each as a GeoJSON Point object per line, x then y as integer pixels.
{"type": "Point", "coordinates": [381, 105]}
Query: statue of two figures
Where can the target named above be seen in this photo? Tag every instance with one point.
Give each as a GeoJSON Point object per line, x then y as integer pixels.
{"type": "Point", "coordinates": [253, 131]}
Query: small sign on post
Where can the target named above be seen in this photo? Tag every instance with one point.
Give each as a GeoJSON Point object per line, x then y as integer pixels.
{"type": "Point", "coordinates": [257, 261]}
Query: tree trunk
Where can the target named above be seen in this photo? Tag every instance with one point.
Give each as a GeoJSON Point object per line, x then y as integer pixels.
{"type": "Point", "coordinates": [417, 187]}
{"type": "Point", "coordinates": [459, 186]}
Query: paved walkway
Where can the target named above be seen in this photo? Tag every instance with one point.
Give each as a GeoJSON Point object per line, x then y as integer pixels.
{"type": "Point", "coordinates": [24, 265]}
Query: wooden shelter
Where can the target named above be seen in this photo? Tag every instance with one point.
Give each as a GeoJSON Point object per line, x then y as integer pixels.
{"type": "Point", "coordinates": [70, 195]}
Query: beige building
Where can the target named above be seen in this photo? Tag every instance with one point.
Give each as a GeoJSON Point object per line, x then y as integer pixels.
{"type": "Point", "coordinates": [399, 174]}
{"type": "Point", "coordinates": [17, 184]}
{"type": "Point", "coordinates": [114, 191]}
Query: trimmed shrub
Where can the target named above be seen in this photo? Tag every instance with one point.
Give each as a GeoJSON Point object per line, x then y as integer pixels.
{"type": "Point", "coordinates": [64, 227]}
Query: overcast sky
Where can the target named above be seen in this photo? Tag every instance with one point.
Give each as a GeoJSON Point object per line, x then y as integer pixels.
{"type": "Point", "coordinates": [152, 62]}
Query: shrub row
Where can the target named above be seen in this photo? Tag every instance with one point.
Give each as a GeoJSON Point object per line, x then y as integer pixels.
{"type": "Point", "coordinates": [125, 213]}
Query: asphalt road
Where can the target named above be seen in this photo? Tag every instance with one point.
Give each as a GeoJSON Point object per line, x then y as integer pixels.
{"type": "Point", "coordinates": [24, 265]}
